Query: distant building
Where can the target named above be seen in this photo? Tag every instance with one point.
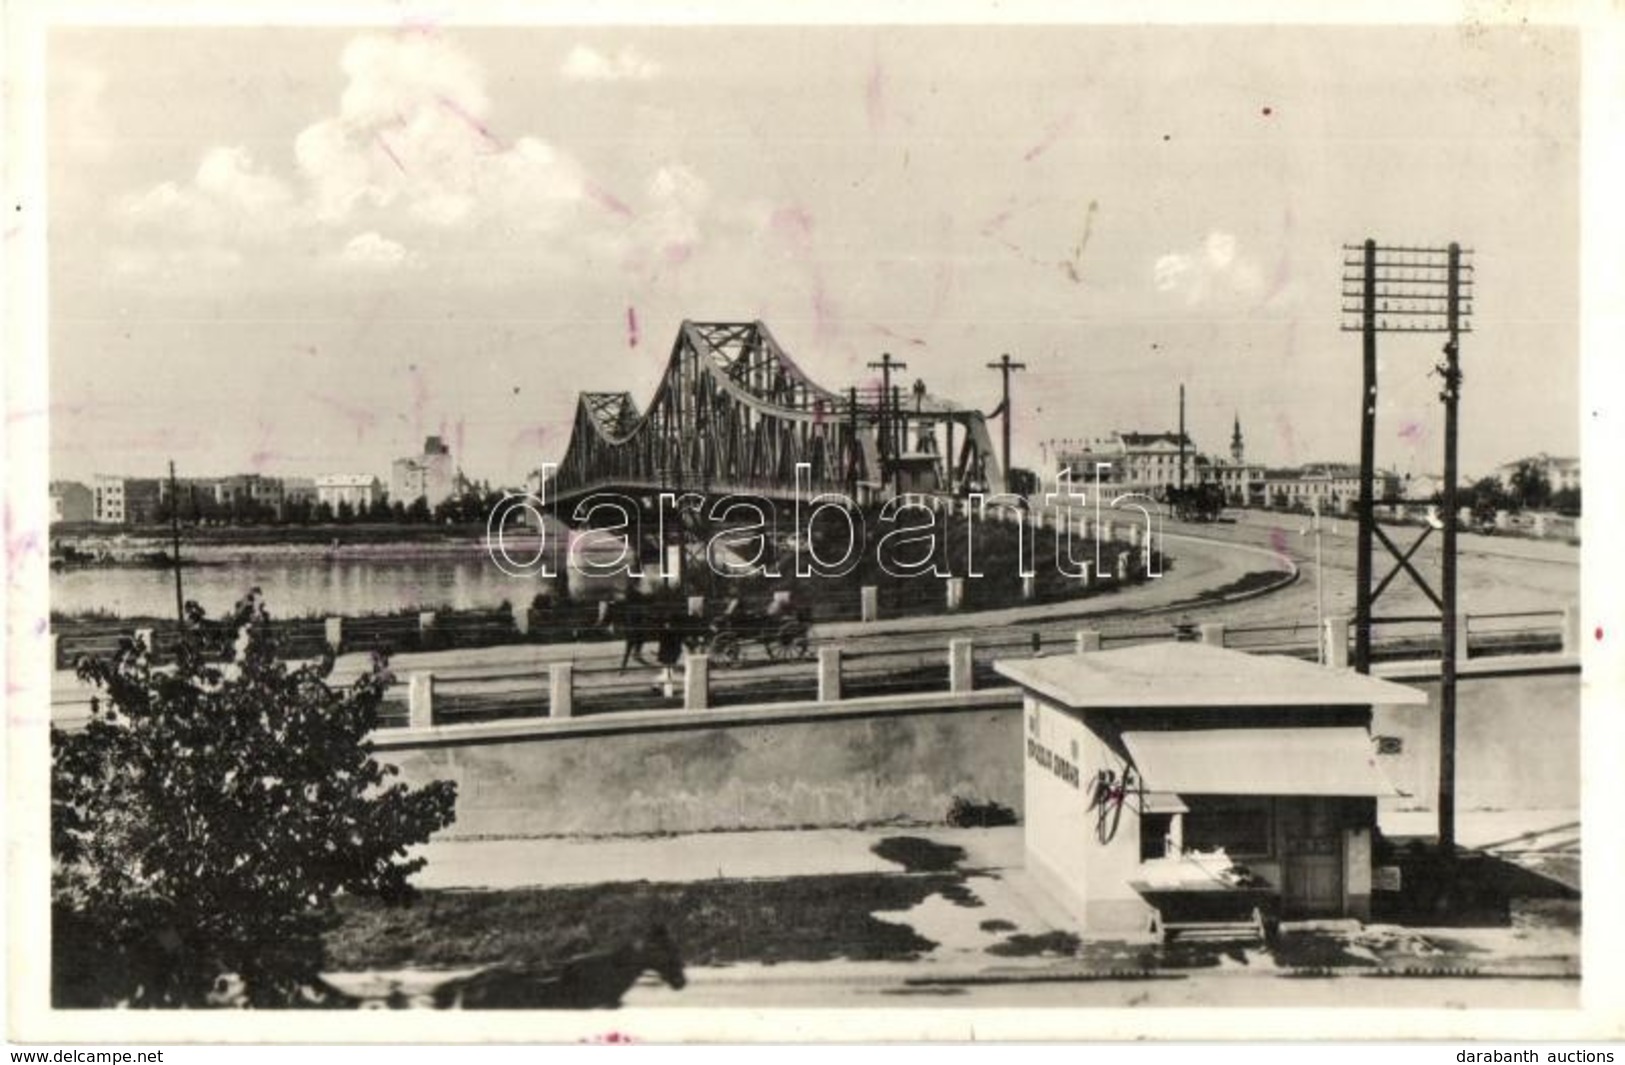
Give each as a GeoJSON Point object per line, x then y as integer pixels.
{"type": "Point", "coordinates": [248, 491]}
{"type": "Point", "coordinates": [430, 475]}
{"type": "Point", "coordinates": [1147, 463]}
{"type": "Point", "coordinates": [360, 490]}
{"type": "Point", "coordinates": [1422, 487]}
{"type": "Point", "coordinates": [1243, 484]}
{"type": "Point", "coordinates": [72, 501]}
{"type": "Point", "coordinates": [1329, 487]}
{"type": "Point", "coordinates": [298, 490]}
{"type": "Point", "coordinates": [1562, 474]}
{"type": "Point", "coordinates": [125, 500]}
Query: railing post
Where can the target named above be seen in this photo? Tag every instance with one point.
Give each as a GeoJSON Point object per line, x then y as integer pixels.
{"type": "Point", "coordinates": [1123, 560]}
{"type": "Point", "coordinates": [696, 606]}
{"type": "Point", "coordinates": [868, 603]}
{"type": "Point", "coordinates": [333, 629]}
{"type": "Point", "coordinates": [696, 682]}
{"type": "Point", "coordinates": [520, 612]}
{"type": "Point", "coordinates": [1335, 642]}
{"type": "Point", "coordinates": [956, 592]}
{"type": "Point", "coordinates": [1029, 586]}
{"type": "Point", "coordinates": [561, 689]}
{"type": "Point", "coordinates": [829, 674]}
{"type": "Point", "coordinates": [1571, 629]}
{"type": "Point", "coordinates": [1088, 640]}
{"type": "Point", "coordinates": [1087, 577]}
{"type": "Point", "coordinates": [426, 627]}
{"type": "Point", "coordinates": [1213, 633]}
{"type": "Point", "coordinates": [961, 674]}
{"type": "Point", "coordinates": [420, 700]}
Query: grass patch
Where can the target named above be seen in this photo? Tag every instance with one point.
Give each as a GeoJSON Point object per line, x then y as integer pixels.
{"type": "Point", "coordinates": [714, 922]}
{"type": "Point", "coordinates": [1257, 580]}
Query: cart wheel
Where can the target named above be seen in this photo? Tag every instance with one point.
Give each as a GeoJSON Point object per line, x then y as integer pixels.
{"type": "Point", "coordinates": [725, 649]}
{"type": "Point", "coordinates": [796, 644]}
{"type": "Point", "coordinates": [775, 648]}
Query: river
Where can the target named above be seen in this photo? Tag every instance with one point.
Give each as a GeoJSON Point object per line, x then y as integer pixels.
{"type": "Point", "coordinates": [295, 586]}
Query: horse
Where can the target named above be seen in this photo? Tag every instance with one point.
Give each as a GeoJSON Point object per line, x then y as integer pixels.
{"type": "Point", "coordinates": [639, 621]}
{"type": "Point", "coordinates": [597, 980]}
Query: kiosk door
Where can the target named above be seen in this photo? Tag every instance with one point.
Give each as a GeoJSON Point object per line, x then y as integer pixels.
{"type": "Point", "coordinates": [1311, 859]}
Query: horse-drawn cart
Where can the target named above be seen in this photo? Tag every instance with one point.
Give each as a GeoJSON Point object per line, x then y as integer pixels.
{"type": "Point", "coordinates": [782, 637]}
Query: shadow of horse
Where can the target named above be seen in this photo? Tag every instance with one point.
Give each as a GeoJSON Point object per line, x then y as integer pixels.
{"type": "Point", "coordinates": [597, 980]}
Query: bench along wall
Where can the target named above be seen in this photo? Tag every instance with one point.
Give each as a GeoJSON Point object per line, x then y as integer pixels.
{"type": "Point", "coordinates": [870, 760]}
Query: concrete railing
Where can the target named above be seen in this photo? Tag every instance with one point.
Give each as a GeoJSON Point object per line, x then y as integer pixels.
{"type": "Point", "coordinates": [696, 681]}
{"type": "Point", "coordinates": [837, 674]}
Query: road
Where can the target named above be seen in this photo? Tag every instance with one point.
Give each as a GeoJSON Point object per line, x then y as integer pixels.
{"type": "Point", "coordinates": [1497, 575]}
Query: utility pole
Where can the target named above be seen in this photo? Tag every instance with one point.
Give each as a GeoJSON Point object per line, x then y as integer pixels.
{"type": "Point", "coordinates": [1320, 587]}
{"type": "Point", "coordinates": [1181, 437]}
{"type": "Point", "coordinates": [883, 431]}
{"type": "Point", "coordinates": [1450, 371]}
{"type": "Point", "coordinates": [175, 533]}
{"type": "Point", "coordinates": [1368, 457]}
{"type": "Point", "coordinates": [1006, 368]}
{"type": "Point", "coordinates": [1395, 289]}
{"type": "Point", "coordinates": [854, 451]}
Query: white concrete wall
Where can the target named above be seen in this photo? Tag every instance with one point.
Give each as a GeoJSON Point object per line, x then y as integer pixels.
{"type": "Point", "coordinates": [1088, 877]}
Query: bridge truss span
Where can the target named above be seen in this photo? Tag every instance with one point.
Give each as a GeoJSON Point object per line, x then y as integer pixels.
{"type": "Point", "coordinates": [733, 412]}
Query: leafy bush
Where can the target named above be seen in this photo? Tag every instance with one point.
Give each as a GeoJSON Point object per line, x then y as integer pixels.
{"type": "Point", "coordinates": [204, 819]}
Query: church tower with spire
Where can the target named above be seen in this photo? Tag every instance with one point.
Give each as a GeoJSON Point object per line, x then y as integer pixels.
{"type": "Point", "coordinates": [1236, 449]}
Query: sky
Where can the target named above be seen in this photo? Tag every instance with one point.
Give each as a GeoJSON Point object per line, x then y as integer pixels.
{"type": "Point", "coordinates": [299, 251]}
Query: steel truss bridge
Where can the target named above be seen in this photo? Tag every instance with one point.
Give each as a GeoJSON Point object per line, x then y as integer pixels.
{"type": "Point", "coordinates": [734, 414]}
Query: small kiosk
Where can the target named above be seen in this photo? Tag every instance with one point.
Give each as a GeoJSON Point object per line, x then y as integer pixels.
{"type": "Point", "coordinates": [1177, 786]}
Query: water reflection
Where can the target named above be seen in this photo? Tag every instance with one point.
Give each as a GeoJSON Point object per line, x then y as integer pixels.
{"type": "Point", "coordinates": [294, 587]}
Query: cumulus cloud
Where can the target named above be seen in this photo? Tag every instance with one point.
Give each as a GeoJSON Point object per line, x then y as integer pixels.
{"type": "Point", "coordinates": [228, 198]}
{"type": "Point", "coordinates": [1214, 271]}
{"type": "Point", "coordinates": [585, 63]}
{"type": "Point", "coordinates": [409, 149]}
{"type": "Point", "coordinates": [411, 132]}
{"type": "Point", "coordinates": [374, 251]}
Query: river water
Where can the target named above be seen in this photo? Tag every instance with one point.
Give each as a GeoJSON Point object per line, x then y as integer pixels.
{"type": "Point", "coordinates": [297, 586]}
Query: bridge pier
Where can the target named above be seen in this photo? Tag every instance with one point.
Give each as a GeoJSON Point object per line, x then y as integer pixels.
{"type": "Point", "coordinates": [1087, 640]}
{"type": "Point", "coordinates": [1213, 633]}
{"type": "Point", "coordinates": [333, 631]}
{"type": "Point", "coordinates": [956, 592]}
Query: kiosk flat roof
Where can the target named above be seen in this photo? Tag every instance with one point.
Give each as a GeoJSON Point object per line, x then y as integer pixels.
{"type": "Point", "coordinates": [1173, 674]}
